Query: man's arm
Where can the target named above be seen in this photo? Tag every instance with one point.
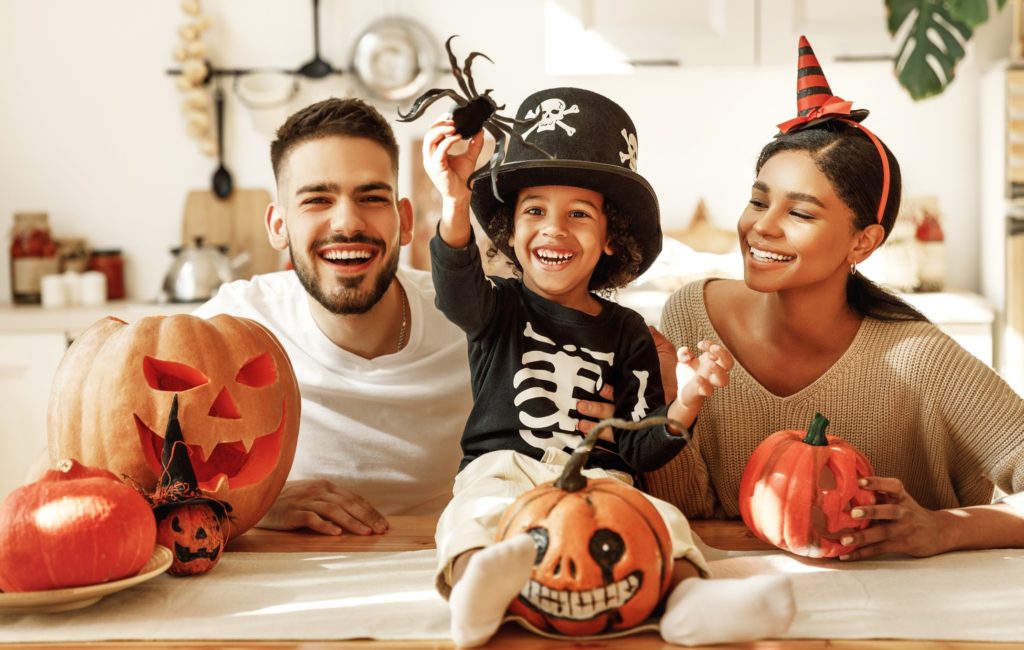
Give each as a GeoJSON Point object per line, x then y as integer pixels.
{"type": "Point", "coordinates": [324, 507]}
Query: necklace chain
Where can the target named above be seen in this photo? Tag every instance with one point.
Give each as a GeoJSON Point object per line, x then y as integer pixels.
{"type": "Point", "coordinates": [404, 330]}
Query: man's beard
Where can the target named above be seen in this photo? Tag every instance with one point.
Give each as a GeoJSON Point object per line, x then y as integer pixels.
{"type": "Point", "coordinates": [347, 298]}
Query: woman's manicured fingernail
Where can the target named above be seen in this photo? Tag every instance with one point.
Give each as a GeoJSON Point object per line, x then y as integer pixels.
{"type": "Point", "coordinates": [856, 513]}
{"type": "Point", "coordinates": [862, 482]}
{"type": "Point", "coordinates": [846, 541]}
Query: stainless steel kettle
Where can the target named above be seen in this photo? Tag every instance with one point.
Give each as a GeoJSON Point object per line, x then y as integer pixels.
{"type": "Point", "coordinates": [197, 272]}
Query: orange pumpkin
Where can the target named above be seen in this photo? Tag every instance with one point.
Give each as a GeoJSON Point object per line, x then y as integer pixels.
{"type": "Point", "coordinates": [604, 554]}
{"type": "Point", "coordinates": [75, 526]}
{"type": "Point", "coordinates": [239, 405]}
{"type": "Point", "coordinates": [194, 533]}
{"type": "Point", "coordinates": [798, 489]}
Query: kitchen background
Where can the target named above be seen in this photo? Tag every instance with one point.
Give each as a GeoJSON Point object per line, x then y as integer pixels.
{"type": "Point", "coordinates": [93, 131]}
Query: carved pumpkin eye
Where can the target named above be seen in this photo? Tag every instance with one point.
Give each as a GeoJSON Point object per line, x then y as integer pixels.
{"type": "Point", "coordinates": [258, 372]}
{"type": "Point", "coordinates": [540, 538]}
{"type": "Point", "coordinates": [171, 376]}
{"type": "Point", "coordinates": [607, 548]}
{"type": "Point", "coordinates": [175, 525]}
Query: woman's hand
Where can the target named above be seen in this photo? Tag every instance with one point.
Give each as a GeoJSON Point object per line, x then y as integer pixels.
{"type": "Point", "coordinates": [900, 524]}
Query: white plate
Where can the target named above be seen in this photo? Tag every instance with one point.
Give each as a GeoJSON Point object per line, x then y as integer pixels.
{"type": "Point", "coordinates": [63, 600]}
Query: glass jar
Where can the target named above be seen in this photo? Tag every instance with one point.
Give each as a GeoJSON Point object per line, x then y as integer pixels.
{"type": "Point", "coordinates": [110, 263]}
{"type": "Point", "coordinates": [33, 255]}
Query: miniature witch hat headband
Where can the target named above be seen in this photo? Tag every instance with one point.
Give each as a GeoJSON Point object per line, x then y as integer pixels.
{"type": "Point", "coordinates": [816, 104]}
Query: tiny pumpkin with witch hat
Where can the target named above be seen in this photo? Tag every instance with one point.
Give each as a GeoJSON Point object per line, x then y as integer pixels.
{"type": "Point", "coordinates": [193, 526]}
{"type": "Point", "coordinates": [604, 554]}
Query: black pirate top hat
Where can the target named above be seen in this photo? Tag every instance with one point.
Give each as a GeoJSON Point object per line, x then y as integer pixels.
{"type": "Point", "coordinates": [590, 142]}
{"type": "Point", "coordinates": [178, 484]}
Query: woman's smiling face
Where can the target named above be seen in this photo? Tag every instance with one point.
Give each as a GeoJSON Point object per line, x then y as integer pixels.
{"type": "Point", "coordinates": [795, 231]}
{"type": "Point", "coordinates": [559, 235]}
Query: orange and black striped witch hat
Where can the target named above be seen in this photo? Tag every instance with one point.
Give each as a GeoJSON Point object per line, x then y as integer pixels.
{"type": "Point", "coordinates": [816, 104]}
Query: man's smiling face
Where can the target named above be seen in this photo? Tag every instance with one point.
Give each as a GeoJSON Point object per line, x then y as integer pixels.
{"type": "Point", "coordinates": [341, 222]}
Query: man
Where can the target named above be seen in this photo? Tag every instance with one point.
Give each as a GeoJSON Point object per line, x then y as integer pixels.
{"type": "Point", "coordinates": [383, 375]}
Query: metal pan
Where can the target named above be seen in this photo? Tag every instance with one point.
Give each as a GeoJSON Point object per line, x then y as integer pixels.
{"type": "Point", "coordinates": [394, 59]}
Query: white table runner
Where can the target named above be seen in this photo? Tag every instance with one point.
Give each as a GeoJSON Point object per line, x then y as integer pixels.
{"type": "Point", "coordinates": [977, 595]}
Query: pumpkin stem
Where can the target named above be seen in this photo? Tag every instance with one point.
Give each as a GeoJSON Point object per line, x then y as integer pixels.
{"type": "Point", "coordinates": [572, 479]}
{"type": "Point", "coordinates": [816, 432]}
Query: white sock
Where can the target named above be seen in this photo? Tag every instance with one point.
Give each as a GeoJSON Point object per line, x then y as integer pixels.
{"type": "Point", "coordinates": [493, 577]}
{"type": "Point", "coordinates": [700, 612]}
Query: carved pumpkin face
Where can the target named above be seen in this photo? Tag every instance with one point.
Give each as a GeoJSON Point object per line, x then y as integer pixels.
{"type": "Point", "coordinates": [798, 489]}
{"type": "Point", "coordinates": [604, 557]}
{"type": "Point", "coordinates": [238, 404]}
{"type": "Point", "coordinates": [194, 533]}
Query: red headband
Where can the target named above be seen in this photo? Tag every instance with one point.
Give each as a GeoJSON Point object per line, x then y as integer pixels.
{"type": "Point", "coordinates": [816, 104]}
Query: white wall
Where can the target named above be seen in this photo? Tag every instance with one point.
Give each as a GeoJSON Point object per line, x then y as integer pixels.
{"type": "Point", "coordinates": [91, 131]}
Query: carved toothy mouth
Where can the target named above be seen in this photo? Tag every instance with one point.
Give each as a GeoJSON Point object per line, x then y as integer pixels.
{"type": "Point", "coordinates": [239, 462]}
{"type": "Point", "coordinates": [581, 605]}
{"type": "Point", "coordinates": [185, 554]}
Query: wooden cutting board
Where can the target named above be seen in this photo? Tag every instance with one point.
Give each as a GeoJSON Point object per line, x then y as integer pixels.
{"type": "Point", "coordinates": [235, 222]}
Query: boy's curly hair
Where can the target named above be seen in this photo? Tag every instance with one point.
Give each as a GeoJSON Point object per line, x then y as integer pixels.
{"type": "Point", "coordinates": [612, 271]}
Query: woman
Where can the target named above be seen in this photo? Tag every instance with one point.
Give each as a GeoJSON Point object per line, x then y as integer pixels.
{"type": "Point", "coordinates": [809, 333]}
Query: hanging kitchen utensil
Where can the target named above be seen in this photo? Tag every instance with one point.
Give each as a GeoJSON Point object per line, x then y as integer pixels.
{"type": "Point", "coordinates": [221, 177]}
{"type": "Point", "coordinates": [394, 59]}
{"type": "Point", "coordinates": [317, 68]}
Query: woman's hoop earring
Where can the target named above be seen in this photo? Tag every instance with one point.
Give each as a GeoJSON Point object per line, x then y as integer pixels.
{"type": "Point", "coordinates": [853, 269]}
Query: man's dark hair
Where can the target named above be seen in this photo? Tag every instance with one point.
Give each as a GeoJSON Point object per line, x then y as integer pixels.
{"type": "Point", "coordinates": [349, 117]}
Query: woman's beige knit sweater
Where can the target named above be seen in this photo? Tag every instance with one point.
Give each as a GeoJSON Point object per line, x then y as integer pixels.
{"type": "Point", "coordinates": [920, 407]}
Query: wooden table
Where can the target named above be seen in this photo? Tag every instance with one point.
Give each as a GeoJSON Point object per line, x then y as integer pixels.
{"type": "Point", "coordinates": [417, 533]}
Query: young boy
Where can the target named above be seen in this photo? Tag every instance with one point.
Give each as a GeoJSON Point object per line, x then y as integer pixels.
{"type": "Point", "coordinates": [580, 222]}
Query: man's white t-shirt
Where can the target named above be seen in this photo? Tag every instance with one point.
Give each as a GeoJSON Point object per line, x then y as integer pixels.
{"type": "Point", "coordinates": [387, 429]}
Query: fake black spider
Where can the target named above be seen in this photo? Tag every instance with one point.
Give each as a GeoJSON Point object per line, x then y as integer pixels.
{"type": "Point", "coordinates": [473, 112]}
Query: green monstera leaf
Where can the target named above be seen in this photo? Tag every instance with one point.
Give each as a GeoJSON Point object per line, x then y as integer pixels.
{"type": "Point", "coordinates": [936, 32]}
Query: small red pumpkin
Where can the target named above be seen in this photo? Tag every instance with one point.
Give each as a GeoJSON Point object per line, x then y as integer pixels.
{"type": "Point", "coordinates": [194, 533]}
{"type": "Point", "coordinates": [604, 554]}
{"type": "Point", "coordinates": [239, 404]}
{"type": "Point", "coordinates": [798, 489]}
{"type": "Point", "coordinates": [75, 526]}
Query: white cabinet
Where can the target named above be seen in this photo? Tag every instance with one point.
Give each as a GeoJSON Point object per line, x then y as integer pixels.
{"type": "Point", "coordinates": [32, 343]}
{"type": "Point", "coordinates": [612, 36]}
{"type": "Point", "coordinates": [839, 30]}
{"type": "Point", "coordinates": [27, 362]}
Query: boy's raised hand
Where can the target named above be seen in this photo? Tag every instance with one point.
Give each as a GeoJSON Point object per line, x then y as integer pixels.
{"type": "Point", "coordinates": [697, 378]}
{"type": "Point", "coordinates": [449, 172]}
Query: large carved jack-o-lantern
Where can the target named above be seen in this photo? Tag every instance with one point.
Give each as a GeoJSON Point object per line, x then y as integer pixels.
{"type": "Point", "coordinates": [239, 405]}
{"type": "Point", "coordinates": [799, 487]}
{"type": "Point", "coordinates": [604, 555]}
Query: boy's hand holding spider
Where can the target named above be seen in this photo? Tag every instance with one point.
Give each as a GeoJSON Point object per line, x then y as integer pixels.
{"type": "Point", "coordinates": [450, 173]}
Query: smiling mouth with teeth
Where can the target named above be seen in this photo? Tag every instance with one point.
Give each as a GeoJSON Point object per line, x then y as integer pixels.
{"type": "Point", "coordinates": [553, 258]}
{"type": "Point", "coordinates": [764, 256]}
{"type": "Point", "coordinates": [229, 460]}
{"type": "Point", "coordinates": [348, 257]}
{"type": "Point", "coordinates": [581, 605]}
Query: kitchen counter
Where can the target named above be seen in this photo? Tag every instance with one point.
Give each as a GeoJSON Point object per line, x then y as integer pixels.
{"type": "Point", "coordinates": [967, 317]}
{"type": "Point", "coordinates": [35, 318]}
